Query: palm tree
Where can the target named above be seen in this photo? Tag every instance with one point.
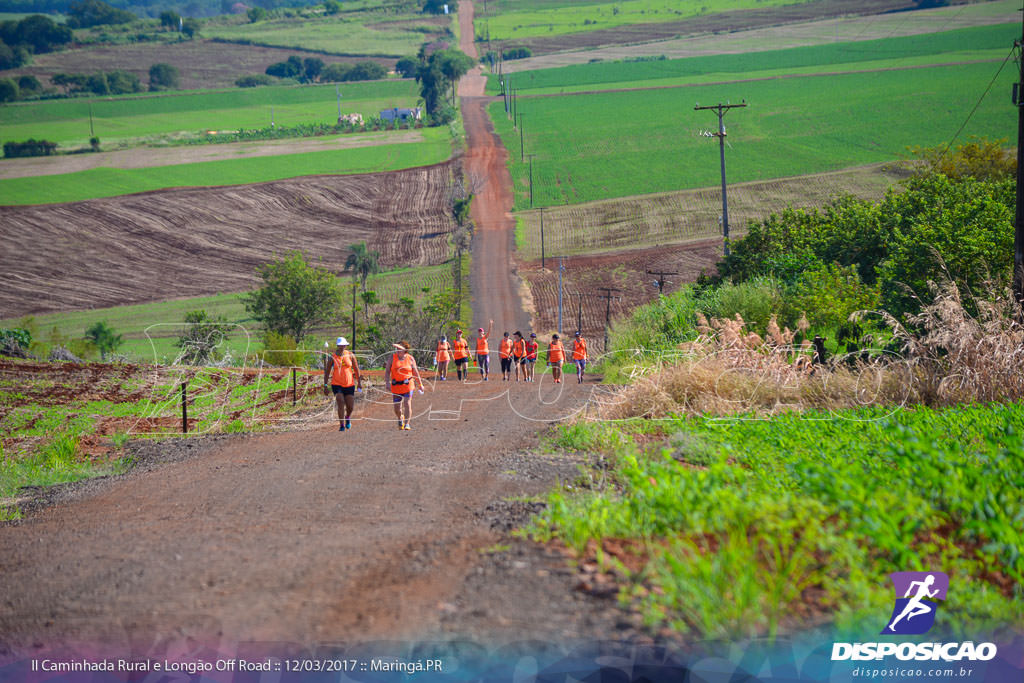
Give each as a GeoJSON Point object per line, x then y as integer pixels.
{"type": "Point", "coordinates": [363, 263]}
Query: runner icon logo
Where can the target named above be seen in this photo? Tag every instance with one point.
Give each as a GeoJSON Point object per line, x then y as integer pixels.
{"type": "Point", "coordinates": [917, 596]}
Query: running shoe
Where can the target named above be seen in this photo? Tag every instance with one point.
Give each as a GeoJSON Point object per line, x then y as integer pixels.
{"type": "Point", "coordinates": [407, 427]}
{"type": "Point", "coordinates": [348, 424]}
{"type": "Point", "coordinates": [400, 426]}
{"type": "Point", "coordinates": [341, 426]}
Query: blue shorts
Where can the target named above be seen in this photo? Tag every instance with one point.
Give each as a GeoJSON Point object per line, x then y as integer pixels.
{"type": "Point", "coordinates": [397, 398]}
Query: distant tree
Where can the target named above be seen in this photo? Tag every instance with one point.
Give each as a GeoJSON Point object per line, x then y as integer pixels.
{"type": "Point", "coordinates": [367, 71]}
{"type": "Point", "coordinates": [29, 83]}
{"type": "Point", "coordinates": [295, 296]}
{"type": "Point", "coordinates": [517, 53]}
{"type": "Point", "coordinates": [170, 19]}
{"type": "Point", "coordinates": [439, 72]}
{"type": "Point", "coordinates": [39, 33]}
{"type": "Point", "coordinates": [290, 68]}
{"type": "Point", "coordinates": [311, 68]}
{"type": "Point", "coordinates": [190, 27]}
{"type": "Point", "coordinates": [406, 67]}
{"type": "Point", "coordinates": [70, 82]}
{"type": "Point", "coordinates": [123, 83]}
{"type": "Point", "coordinates": [11, 58]}
{"type": "Point", "coordinates": [332, 7]}
{"type": "Point", "coordinates": [97, 84]}
{"type": "Point", "coordinates": [256, 14]}
{"type": "Point", "coordinates": [454, 65]}
{"type": "Point", "coordinates": [336, 72]}
{"type": "Point", "coordinates": [363, 263]}
{"type": "Point", "coordinates": [203, 338]}
{"type": "Point", "coordinates": [86, 13]}
{"type": "Point", "coordinates": [253, 81]}
{"type": "Point", "coordinates": [981, 159]}
{"type": "Point", "coordinates": [8, 90]}
{"type": "Point", "coordinates": [163, 76]}
{"type": "Point", "coordinates": [103, 338]}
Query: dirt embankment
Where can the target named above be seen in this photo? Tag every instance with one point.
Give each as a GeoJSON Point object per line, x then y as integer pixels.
{"type": "Point", "coordinates": [192, 242]}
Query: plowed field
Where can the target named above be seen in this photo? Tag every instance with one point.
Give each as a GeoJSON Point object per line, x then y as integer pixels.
{"type": "Point", "coordinates": [624, 270]}
{"type": "Point", "coordinates": [180, 243]}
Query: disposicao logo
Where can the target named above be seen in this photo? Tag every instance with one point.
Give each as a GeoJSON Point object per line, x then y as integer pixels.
{"type": "Point", "coordinates": [913, 613]}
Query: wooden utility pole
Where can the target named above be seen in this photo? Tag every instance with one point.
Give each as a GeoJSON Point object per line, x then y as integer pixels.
{"type": "Point", "coordinates": [542, 237]}
{"type": "Point", "coordinates": [561, 269]}
{"type": "Point", "coordinates": [531, 155]}
{"type": "Point", "coordinates": [661, 278]}
{"type": "Point", "coordinates": [721, 109]}
{"type": "Point", "coordinates": [522, 149]}
{"type": "Point", "coordinates": [1018, 221]}
{"type": "Point", "coordinates": [608, 296]}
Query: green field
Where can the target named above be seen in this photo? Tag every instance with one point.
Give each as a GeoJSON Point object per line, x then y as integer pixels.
{"type": "Point", "coordinates": [114, 119]}
{"type": "Point", "coordinates": [150, 330]}
{"type": "Point", "coordinates": [970, 44]}
{"type": "Point", "coordinates": [605, 145]}
{"type": "Point", "coordinates": [760, 526]}
{"type": "Point", "coordinates": [533, 19]}
{"type": "Point", "coordinates": [112, 182]}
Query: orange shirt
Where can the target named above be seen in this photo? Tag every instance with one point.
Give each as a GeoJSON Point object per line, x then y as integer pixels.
{"type": "Point", "coordinates": [401, 371]}
{"type": "Point", "coordinates": [461, 349]}
{"type": "Point", "coordinates": [579, 349]}
{"type": "Point", "coordinates": [531, 350]}
{"type": "Point", "coordinates": [443, 348]}
{"type": "Point", "coordinates": [505, 347]}
{"type": "Point", "coordinates": [481, 346]}
{"type": "Point", "coordinates": [342, 370]}
{"type": "Point", "coordinates": [519, 348]}
{"type": "Point", "coordinates": [556, 354]}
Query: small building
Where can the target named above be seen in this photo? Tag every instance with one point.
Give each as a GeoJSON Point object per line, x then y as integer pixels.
{"type": "Point", "coordinates": [401, 114]}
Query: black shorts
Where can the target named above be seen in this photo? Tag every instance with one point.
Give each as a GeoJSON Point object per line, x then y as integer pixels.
{"type": "Point", "coordinates": [344, 391]}
{"type": "Point", "coordinates": [506, 364]}
{"type": "Point", "coordinates": [518, 360]}
{"type": "Point", "coordinates": [461, 361]}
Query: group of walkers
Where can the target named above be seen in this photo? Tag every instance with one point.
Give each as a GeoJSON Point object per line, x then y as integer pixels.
{"type": "Point", "coordinates": [516, 353]}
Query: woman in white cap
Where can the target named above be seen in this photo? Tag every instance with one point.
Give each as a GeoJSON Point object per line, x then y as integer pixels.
{"type": "Point", "coordinates": [341, 375]}
{"type": "Point", "coordinates": [400, 372]}
{"type": "Point", "coordinates": [442, 355]}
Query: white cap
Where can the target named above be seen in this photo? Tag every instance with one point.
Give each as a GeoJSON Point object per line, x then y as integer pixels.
{"type": "Point", "coordinates": [342, 341]}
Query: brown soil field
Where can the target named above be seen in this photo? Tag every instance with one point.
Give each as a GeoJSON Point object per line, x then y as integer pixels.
{"type": "Point", "coordinates": [799, 34]}
{"type": "Point", "coordinates": [623, 270]}
{"type": "Point", "coordinates": [723, 22]}
{"type": "Point", "coordinates": [190, 242]}
{"type": "Point", "coordinates": [166, 156]}
{"type": "Point", "coordinates": [201, 63]}
{"type": "Point", "coordinates": [672, 217]}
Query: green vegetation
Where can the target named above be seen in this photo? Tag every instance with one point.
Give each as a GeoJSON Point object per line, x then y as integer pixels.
{"type": "Point", "coordinates": [983, 42]}
{"type": "Point", "coordinates": [295, 297]}
{"type": "Point", "coordinates": [749, 526]}
{"type": "Point", "coordinates": [643, 142]}
{"type": "Point", "coordinates": [109, 182]}
{"type": "Point", "coordinates": [130, 119]}
{"type": "Point", "coordinates": [532, 19]}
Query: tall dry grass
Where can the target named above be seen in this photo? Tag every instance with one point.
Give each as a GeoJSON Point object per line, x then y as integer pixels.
{"type": "Point", "coordinates": [948, 357]}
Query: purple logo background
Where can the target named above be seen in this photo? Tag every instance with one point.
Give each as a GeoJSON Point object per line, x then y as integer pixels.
{"type": "Point", "coordinates": [917, 600]}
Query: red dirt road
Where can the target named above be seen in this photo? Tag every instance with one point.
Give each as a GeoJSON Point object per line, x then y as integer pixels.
{"type": "Point", "coordinates": [496, 287]}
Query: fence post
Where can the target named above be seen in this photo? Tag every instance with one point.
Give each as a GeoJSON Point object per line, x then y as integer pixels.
{"type": "Point", "coordinates": [294, 370]}
{"type": "Point", "coordinates": [184, 408]}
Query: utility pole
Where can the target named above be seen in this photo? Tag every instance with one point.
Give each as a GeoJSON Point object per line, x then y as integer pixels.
{"type": "Point", "coordinates": [513, 107]}
{"type": "Point", "coordinates": [579, 311]}
{"type": "Point", "coordinates": [522, 149]}
{"type": "Point", "coordinates": [352, 342]}
{"type": "Point", "coordinates": [1018, 221]}
{"type": "Point", "coordinates": [608, 296]}
{"type": "Point", "coordinates": [561, 269]}
{"type": "Point", "coordinates": [542, 237]}
{"type": "Point", "coordinates": [92, 133]}
{"type": "Point", "coordinates": [661, 278]}
{"type": "Point", "coordinates": [337, 89]}
{"type": "Point", "coordinates": [720, 109]}
{"type": "Point", "coordinates": [532, 155]}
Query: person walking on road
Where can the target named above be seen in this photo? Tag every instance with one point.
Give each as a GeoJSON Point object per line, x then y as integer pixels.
{"type": "Point", "coordinates": [519, 354]}
{"type": "Point", "coordinates": [400, 371]}
{"type": "Point", "coordinates": [505, 355]}
{"type": "Point", "coordinates": [442, 355]}
{"type": "Point", "coordinates": [556, 356]}
{"type": "Point", "coordinates": [532, 348]}
{"type": "Point", "coordinates": [341, 376]}
{"type": "Point", "coordinates": [579, 356]}
{"type": "Point", "coordinates": [460, 354]}
{"type": "Point", "coordinates": [483, 353]}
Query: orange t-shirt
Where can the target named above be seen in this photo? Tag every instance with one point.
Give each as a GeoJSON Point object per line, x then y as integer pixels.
{"type": "Point", "coordinates": [342, 370]}
{"type": "Point", "coordinates": [519, 348]}
{"type": "Point", "coordinates": [461, 347]}
{"type": "Point", "coordinates": [442, 351]}
{"type": "Point", "coordinates": [481, 346]}
{"type": "Point", "coordinates": [401, 370]}
{"type": "Point", "coordinates": [505, 347]}
{"type": "Point", "coordinates": [579, 349]}
{"type": "Point", "coordinates": [556, 354]}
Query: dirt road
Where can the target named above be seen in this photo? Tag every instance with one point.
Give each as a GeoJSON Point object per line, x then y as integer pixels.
{"type": "Point", "coordinates": [496, 287]}
{"type": "Point", "coordinates": [295, 537]}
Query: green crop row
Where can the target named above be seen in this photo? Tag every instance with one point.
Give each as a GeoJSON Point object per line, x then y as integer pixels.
{"type": "Point", "coordinates": [982, 42]}
{"type": "Point", "coordinates": [748, 522]}
{"type": "Point", "coordinates": [109, 182]}
{"type": "Point", "coordinates": [605, 145]}
{"type": "Point", "coordinates": [71, 122]}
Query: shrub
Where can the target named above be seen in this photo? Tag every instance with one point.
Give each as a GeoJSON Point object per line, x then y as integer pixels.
{"type": "Point", "coordinates": [202, 339]}
{"type": "Point", "coordinates": [163, 76]}
{"type": "Point", "coordinates": [826, 295]}
{"type": "Point", "coordinates": [755, 301]}
{"type": "Point", "coordinates": [517, 53]}
{"type": "Point", "coordinates": [29, 148]}
{"type": "Point", "coordinates": [253, 81]}
{"type": "Point", "coordinates": [281, 350]}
